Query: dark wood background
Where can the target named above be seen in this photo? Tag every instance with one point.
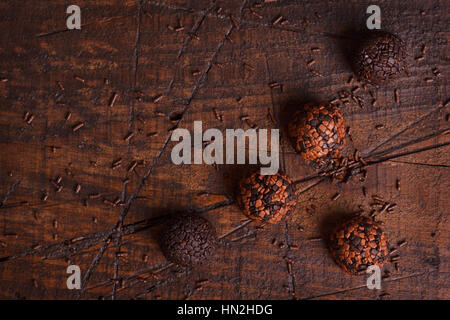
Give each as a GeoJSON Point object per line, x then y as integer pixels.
{"type": "Point", "coordinates": [175, 61]}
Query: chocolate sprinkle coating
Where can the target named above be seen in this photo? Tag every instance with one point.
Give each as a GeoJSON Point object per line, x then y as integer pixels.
{"type": "Point", "coordinates": [188, 240]}
{"type": "Point", "coordinates": [317, 131]}
{"type": "Point", "coordinates": [269, 198]}
{"type": "Point", "coordinates": [359, 243]}
{"type": "Point", "coordinates": [380, 58]}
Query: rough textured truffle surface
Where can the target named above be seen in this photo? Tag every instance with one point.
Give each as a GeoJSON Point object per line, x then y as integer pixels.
{"type": "Point", "coordinates": [380, 58]}
{"type": "Point", "coordinates": [188, 240]}
{"type": "Point", "coordinates": [317, 131]}
{"type": "Point", "coordinates": [268, 198]}
{"type": "Point", "coordinates": [359, 243]}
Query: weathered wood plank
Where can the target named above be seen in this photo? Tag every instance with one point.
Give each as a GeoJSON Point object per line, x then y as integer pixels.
{"type": "Point", "coordinates": [160, 78]}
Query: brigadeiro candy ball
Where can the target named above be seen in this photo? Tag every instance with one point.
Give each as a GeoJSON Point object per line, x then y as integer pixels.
{"type": "Point", "coordinates": [381, 57]}
{"type": "Point", "coordinates": [317, 131]}
{"type": "Point", "coordinates": [359, 243]}
{"type": "Point", "coordinates": [188, 240]}
{"type": "Point", "coordinates": [268, 198]}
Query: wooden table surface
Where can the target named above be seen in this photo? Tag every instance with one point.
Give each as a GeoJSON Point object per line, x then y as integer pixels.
{"type": "Point", "coordinates": [169, 63]}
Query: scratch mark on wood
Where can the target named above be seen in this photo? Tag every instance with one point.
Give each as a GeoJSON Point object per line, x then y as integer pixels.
{"type": "Point", "coordinates": [370, 150]}
{"type": "Point", "coordinates": [9, 192]}
{"type": "Point", "coordinates": [364, 286]}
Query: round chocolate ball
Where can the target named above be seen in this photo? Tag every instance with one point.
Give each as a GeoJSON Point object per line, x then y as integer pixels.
{"type": "Point", "coordinates": [359, 243]}
{"type": "Point", "coordinates": [270, 198]}
{"type": "Point", "coordinates": [317, 131]}
{"type": "Point", "coordinates": [188, 240]}
{"type": "Point", "coordinates": [381, 58]}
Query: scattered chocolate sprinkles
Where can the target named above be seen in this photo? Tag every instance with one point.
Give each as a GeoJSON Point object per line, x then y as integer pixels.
{"type": "Point", "coordinates": [397, 184]}
{"type": "Point", "coordinates": [158, 98]}
{"type": "Point", "coordinates": [132, 166]}
{"type": "Point", "coordinates": [77, 127]}
{"type": "Point", "coordinates": [397, 97]}
{"type": "Point", "coordinates": [274, 85]}
{"type": "Point", "coordinates": [29, 118]}
{"type": "Point", "coordinates": [316, 73]}
{"type": "Point", "coordinates": [256, 14]}
{"type": "Point", "coordinates": [122, 254]}
{"type": "Point", "coordinates": [424, 49]}
{"type": "Point", "coordinates": [402, 243]}
{"type": "Point", "coordinates": [113, 99]}
{"type": "Point", "coordinates": [79, 79]}
{"type": "Point", "coordinates": [436, 72]}
{"type": "Point", "coordinates": [194, 36]}
{"type": "Point", "coordinates": [129, 136]}
{"type": "Point", "coordinates": [277, 20]}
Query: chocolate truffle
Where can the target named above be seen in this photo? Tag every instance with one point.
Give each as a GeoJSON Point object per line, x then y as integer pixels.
{"type": "Point", "coordinates": [381, 57]}
{"type": "Point", "coordinates": [317, 131]}
{"type": "Point", "coordinates": [268, 198]}
{"type": "Point", "coordinates": [188, 240]}
{"type": "Point", "coordinates": [359, 243]}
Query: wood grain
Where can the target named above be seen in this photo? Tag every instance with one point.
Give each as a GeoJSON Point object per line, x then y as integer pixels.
{"type": "Point", "coordinates": [222, 59]}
